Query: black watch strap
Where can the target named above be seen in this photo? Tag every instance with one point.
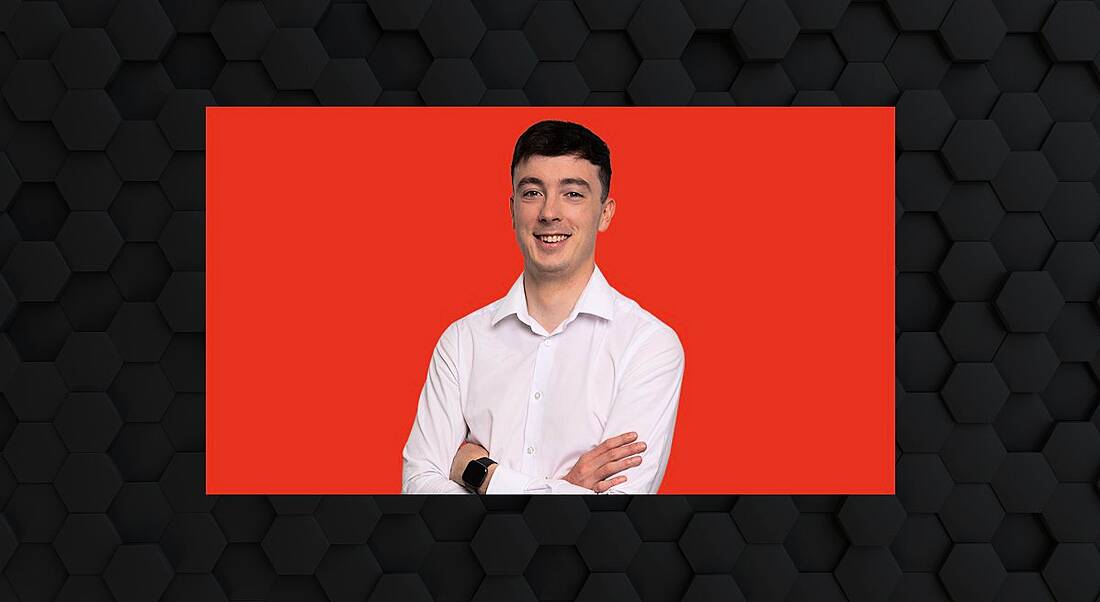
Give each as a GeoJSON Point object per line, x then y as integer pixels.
{"type": "Point", "coordinates": [476, 470]}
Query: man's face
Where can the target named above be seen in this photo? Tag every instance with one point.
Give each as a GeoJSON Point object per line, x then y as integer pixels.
{"type": "Point", "coordinates": [558, 196]}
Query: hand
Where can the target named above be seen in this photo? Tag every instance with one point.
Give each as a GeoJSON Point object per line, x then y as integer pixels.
{"type": "Point", "coordinates": [468, 452]}
{"type": "Point", "coordinates": [611, 456]}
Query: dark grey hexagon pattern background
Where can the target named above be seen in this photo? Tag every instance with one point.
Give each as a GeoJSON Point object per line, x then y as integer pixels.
{"type": "Point", "coordinates": [101, 299]}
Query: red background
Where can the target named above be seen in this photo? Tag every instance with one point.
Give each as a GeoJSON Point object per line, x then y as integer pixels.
{"type": "Point", "coordinates": [341, 242]}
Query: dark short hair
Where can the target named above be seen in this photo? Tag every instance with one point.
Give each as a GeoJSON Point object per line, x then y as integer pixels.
{"type": "Point", "coordinates": [556, 138]}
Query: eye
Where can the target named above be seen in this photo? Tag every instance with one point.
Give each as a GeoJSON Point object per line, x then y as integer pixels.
{"type": "Point", "coordinates": [530, 193]}
{"type": "Point", "coordinates": [574, 194]}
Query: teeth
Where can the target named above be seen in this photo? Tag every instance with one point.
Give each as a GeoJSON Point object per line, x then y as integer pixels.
{"type": "Point", "coordinates": [557, 238]}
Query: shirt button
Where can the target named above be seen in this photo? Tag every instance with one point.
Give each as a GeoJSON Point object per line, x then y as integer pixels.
{"type": "Point", "coordinates": [530, 450]}
{"type": "Point", "coordinates": [538, 395]}
{"type": "Point", "coordinates": [546, 342]}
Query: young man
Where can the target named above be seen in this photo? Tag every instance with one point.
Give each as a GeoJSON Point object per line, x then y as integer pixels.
{"type": "Point", "coordinates": [564, 385]}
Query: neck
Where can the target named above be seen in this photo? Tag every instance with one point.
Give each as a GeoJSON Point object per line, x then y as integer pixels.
{"type": "Point", "coordinates": [549, 300]}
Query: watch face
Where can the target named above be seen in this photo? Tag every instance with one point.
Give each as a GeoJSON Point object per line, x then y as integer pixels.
{"type": "Point", "coordinates": [474, 474]}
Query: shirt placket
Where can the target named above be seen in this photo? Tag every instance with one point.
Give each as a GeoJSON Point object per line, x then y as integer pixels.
{"type": "Point", "coordinates": [536, 401]}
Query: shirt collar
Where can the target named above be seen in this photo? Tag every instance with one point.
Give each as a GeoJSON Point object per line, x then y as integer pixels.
{"type": "Point", "coordinates": [597, 299]}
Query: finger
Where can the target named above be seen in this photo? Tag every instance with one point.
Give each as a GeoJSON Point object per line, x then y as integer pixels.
{"type": "Point", "coordinates": [618, 440]}
{"type": "Point", "coordinates": [603, 486]}
{"type": "Point", "coordinates": [620, 452]}
{"type": "Point", "coordinates": [618, 466]}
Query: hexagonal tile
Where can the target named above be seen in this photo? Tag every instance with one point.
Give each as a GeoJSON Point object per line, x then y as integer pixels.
{"type": "Point", "coordinates": [244, 518]}
{"type": "Point", "coordinates": [1073, 571]}
{"type": "Point", "coordinates": [762, 84]}
{"type": "Point", "coordinates": [88, 482]}
{"type": "Point", "coordinates": [401, 542]}
{"type": "Point", "coordinates": [556, 521]}
{"type": "Point", "coordinates": [242, 30]}
{"type": "Point", "coordinates": [922, 544]}
{"type": "Point", "coordinates": [1073, 212]}
{"type": "Point", "coordinates": [1075, 334]}
{"type": "Point", "coordinates": [972, 30]}
{"type": "Point", "coordinates": [35, 30]}
{"type": "Point", "coordinates": [139, 151]}
{"type": "Point", "coordinates": [922, 183]}
{"type": "Point", "coordinates": [972, 271]}
{"type": "Point", "coordinates": [34, 391]}
{"type": "Point", "coordinates": [972, 332]}
{"type": "Point", "coordinates": [606, 60]}
{"type": "Point", "coordinates": [1024, 423]}
{"type": "Point", "coordinates": [659, 571]}
{"type": "Point", "coordinates": [87, 422]}
{"type": "Point", "coordinates": [556, 83]}
{"type": "Point", "coordinates": [815, 543]}
{"type": "Point", "coordinates": [865, 32]}
{"type": "Point", "coordinates": [406, 15]}
{"type": "Point", "coordinates": [86, 543]}
{"type": "Point", "coordinates": [923, 120]}
{"type": "Point", "coordinates": [598, 15]}
{"type": "Point", "coordinates": [1073, 150]}
{"type": "Point", "coordinates": [1024, 482]}
{"type": "Point", "coordinates": [813, 62]}
{"type": "Point", "coordinates": [917, 61]}
{"type": "Point", "coordinates": [452, 29]}
{"type": "Point", "coordinates": [1023, 544]}
{"type": "Point", "coordinates": [35, 513]}
{"type": "Point", "coordinates": [1069, 31]}
{"type": "Point", "coordinates": [972, 571]}
{"type": "Point", "coordinates": [975, 392]}
{"type": "Point", "coordinates": [348, 572]}
{"type": "Point", "coordinates": [818, 16]}
{"type": "Point", "coordinates": [138, 572]}
{"type": "Point", "coordinates": [193, 543]}
{"type": "Point", "coordinates": [923, 363]}
{"type": "Point", "coordinates": [555, 31]}
{"type": "Point", "coordinates": [972, 453]}
{"type": "Point", "coordinates": [452, 82]}
{"type": "Point", "coordinates": [451, 518]}
{"type": "Point", "coordinates": [1025, 181]}
{"type": "Point", "coordinates": [1069, 92]}
{"type": "Point", "coordinates": [764, 30]}
{"type": "Point", "coordinates": [711, 543]}
{"type": "Point", "coordinates": [608, 541]}
{"type": "Point", "coordinates": [764, 572]}
{"type": "Point", "coordinates": [1073, 451]}
{"type": "Point", "coordinates": [975, 150]}
{"type": "Point", "coordinates": [1023, 241]}
{"type": "Point", "coordinates": [1075, 268]}
{"type": "Point", "coordinates": [919, 302]}
{"type": "Point", "coordinates": [295, 544]}
{"type": "Point", "coordinates": [503, 544]}
{"type": "Point", "coordinates": [85, 58]}
{"type": "Point", "coordinates": [244, 571]}
{"type": "Point", "coordinates": [140, 512]}
{"type": "Point", "coordinates": [141, 451]}
{"type": "Point", "coordinates": [294, 58]}
{"type": "Point", "coordinates": [182, 119]}
{"type": "Point", "coordinates": [1072, 513]}
{"type": "Point", "coordinates": [871, 520]}
{"type": "Point", "coordinates": [141, 392]}
{"type": "Point", "coordinates": [33, 90]}
{"type": "Point", "coordinates": [140, 30]}
{"type": "Point", "coordinates": [194, 61]}
{"type": "Point", "coordinates": [1029, 301]}
{"type": "Point", "coordinates": [868, 573]}
{"type": "Point", "coordinates": [138, 89]}
{"type": "Point", "coordinates": [88, 361]}
{"type": "Point", "coordinates": [866, 84]}
{"type": "Point", "coordinates": [661, 82]}
{"type": "Point", "coordinates": [38, 331]}
{"type": "Point", "coordinates": [35, 573]}
{"type": "Point", "coordinates": [34, 452]}
{"type": "Point", "coordinates": [971, 513]}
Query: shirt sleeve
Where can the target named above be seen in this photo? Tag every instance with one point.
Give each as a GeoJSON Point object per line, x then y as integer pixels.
{"type": "Point", "coordinates": [646, 404]}
{"type": "Point", "coordinates": [439, 427]}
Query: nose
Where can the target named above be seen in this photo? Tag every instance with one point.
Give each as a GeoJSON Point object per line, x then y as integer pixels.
{"type": "Point", "coordinates": [550, 210]}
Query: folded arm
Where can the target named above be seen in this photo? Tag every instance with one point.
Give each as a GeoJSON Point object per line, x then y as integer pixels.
{"type": "Point", "coordinates": [645, 404]}
{"type": "Point", "coordinates": [439, 427]}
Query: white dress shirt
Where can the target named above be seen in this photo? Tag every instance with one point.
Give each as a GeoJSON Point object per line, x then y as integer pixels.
{"type": "Point", "coordinates": [537, 400]}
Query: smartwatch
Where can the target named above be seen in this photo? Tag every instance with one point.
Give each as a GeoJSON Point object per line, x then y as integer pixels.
{"type": "Point", "coordinates": [476, 471]}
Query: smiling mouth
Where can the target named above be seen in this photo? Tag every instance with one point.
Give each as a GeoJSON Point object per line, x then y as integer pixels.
{"type": "Point", "coordinates": [553, 238]}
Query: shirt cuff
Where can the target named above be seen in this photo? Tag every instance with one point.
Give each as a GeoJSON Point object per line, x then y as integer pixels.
{"type": "Point", "coordinates": [506, 480]}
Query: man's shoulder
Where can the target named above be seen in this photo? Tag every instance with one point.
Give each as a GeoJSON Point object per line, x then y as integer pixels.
{"type": "Point", "coordinates": [640, 325]}
{"type": "Point", "coordinates": [478, 319]}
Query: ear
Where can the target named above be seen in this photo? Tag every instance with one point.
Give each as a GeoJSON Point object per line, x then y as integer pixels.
{"type": "Point", "coordinates": [606, 214]}
{"type": "Point", "coordinates": [512, 211]}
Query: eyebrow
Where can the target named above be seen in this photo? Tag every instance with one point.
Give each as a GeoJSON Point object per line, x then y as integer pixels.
{"type": "Point", "coordinates": [564, 182]}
